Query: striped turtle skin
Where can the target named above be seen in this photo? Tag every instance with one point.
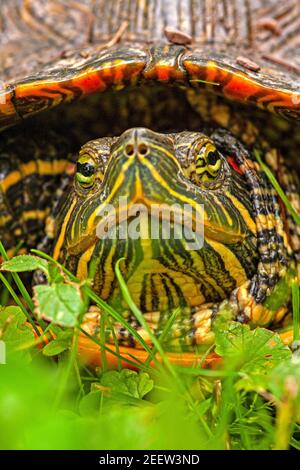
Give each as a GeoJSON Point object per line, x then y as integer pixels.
{"type": "Point", "coordinates": [248, 250]}
{"type": "Point", "coordinates": [201, 86]}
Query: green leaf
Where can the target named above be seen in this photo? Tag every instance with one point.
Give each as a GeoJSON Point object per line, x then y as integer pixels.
{"type": "Point", "coordinates": [14, 329]}
{"type": "Point", "coordinates": [58, 345]}
{"type": "Point", "coordinates": [204, 406]}
{"type": "Point", "coordinates": [23, 263]}
{"type": "Point", "coordinates": [90, 404]}
{"type": "Point", "coordinates": [58, 303]}
{"type": "Point", "coordinates": [128, 382]}
{"type": "Point", "coordinates": [285, 379]}
{"type": "Point", "coordinates": [55, 274]}
{"type": "Point", "coordinates": [249, 345]}
{"type": "Point", "coordinates": [254, 353]}
{"type": "Point", "coordinates": [100, 398]}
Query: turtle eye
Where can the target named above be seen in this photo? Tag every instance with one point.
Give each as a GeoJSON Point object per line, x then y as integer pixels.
{"type": "Point", "coordinates": [85, 171]}
{"type": "Point", "coordinates": [208, 162]}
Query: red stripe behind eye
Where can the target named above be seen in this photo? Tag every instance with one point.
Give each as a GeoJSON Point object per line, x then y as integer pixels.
{"type": "Point", "coordinates": [234, 165]}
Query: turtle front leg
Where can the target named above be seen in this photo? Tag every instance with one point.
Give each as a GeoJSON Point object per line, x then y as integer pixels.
{"type": "Point", "coordinates": [193, 326]}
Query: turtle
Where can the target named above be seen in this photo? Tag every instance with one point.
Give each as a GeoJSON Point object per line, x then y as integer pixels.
{"type": "Point", "coordinates": [126, 114]}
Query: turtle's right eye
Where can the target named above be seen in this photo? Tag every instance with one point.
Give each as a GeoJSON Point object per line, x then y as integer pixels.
{"type": "Point", "coordinates": [85, 171]}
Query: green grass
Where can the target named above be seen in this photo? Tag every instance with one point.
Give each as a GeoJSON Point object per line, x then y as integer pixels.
{"type": "Point", "coordinates": [296, 310]}
{"type": "Point", "coordinates": [50, 404]}
{"type": "Point", "coordinates": [271, 177]}
{"type": "Point", "coordinates": [49, 400]}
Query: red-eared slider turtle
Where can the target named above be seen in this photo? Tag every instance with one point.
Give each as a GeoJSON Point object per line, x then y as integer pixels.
{"type": "Point", "coordinates": [178, 100]}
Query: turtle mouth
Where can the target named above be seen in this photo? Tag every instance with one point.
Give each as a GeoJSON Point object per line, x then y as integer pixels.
{"type": "Point", "coordinates": [193, 220]}
{"type": "Point", "coordinates": [137, 219]}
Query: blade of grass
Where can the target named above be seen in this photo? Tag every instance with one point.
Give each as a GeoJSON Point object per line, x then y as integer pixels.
{"type": "Point", "coordinates": [67, 370]}
{"type": "Point", "coordinates": [114, 353]}
{"type": "Point", "coordinates": [205, 372]}
{"type": "Point", "coordinates": [296, 310]}
{"type": "Point", "coordinates": [103, 319]}
{"type": "Point", "coordinates": [277, 187]}
{"type": "Point", "coordinates": [18, 281]}
{"type": "Point", "coordinates": [80, 384]}
{"type": "Point", "coordinates": [197, 80]}
{"type": "Point", "coordinates": [118, 317]}
{"type": "Point", "coordinates": [225, 412]}
{"type": "Point", "coordinates": [205, 355]}
{"type": "Point", "coordinates": [295, 443]}
{"type": "Point", "coordinates": [164, 332]}
{"type": "Point", "coordinates": [245, 439]}
{"type": "Point", "coordinates": [19, 303]}
{"type": "Point", "coordinates": [115, 342]}
{"type": "Point", "coordinates": [5, 292]}
{"type": "Point", "coordinates": [139, 316]}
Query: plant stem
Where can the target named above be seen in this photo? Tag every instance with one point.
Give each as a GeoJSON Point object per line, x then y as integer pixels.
{"type": "Point", "coordinates": [19, 303]}
{"type": "Point", "coordinates": [18, 281]}
{"type": "Point", "coordinates": [296, 310]}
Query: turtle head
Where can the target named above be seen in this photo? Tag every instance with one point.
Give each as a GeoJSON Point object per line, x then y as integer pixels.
{"type": "Point", "coordinates": [173, 205]}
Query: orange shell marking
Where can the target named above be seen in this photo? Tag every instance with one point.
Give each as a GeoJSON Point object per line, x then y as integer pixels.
{"type": "Point", "coordinates": [164, 73]}
{"type": "Point", "coordinates": [90, 354]}
{"type": "Point", "coordinates": [54, 92]}
{"type": "Point", "coordinates": [241, 87]}
{"type": "Point", "coordinates": [28, 98]}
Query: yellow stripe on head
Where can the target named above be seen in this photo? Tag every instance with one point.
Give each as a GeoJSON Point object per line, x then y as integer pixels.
{"type": "Point", "coordinates": [62, 234]}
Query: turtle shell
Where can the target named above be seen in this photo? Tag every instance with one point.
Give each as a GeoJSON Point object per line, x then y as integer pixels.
{"type": "Point", "coordinates": [56, 51]}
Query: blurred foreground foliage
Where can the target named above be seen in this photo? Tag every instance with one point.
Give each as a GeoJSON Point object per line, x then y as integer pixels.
{"type": "Point", "coordinates": [251, 402]}
{"type": "Point", "coordinates": [49, 400]}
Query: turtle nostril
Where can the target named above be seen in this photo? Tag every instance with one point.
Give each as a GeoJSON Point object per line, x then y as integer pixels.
{"type": "Point", "coordinates": [143, 149]}
{"type": "Point", "coordinates": [129, 150]}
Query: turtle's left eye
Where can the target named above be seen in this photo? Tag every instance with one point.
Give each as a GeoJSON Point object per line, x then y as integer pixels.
{"type": "Point", "coordinates": [208, 162]}
{"type": "Point", "coordinates": [85, 171]}
{"type": "Point", "coordinates": [206, 165]}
